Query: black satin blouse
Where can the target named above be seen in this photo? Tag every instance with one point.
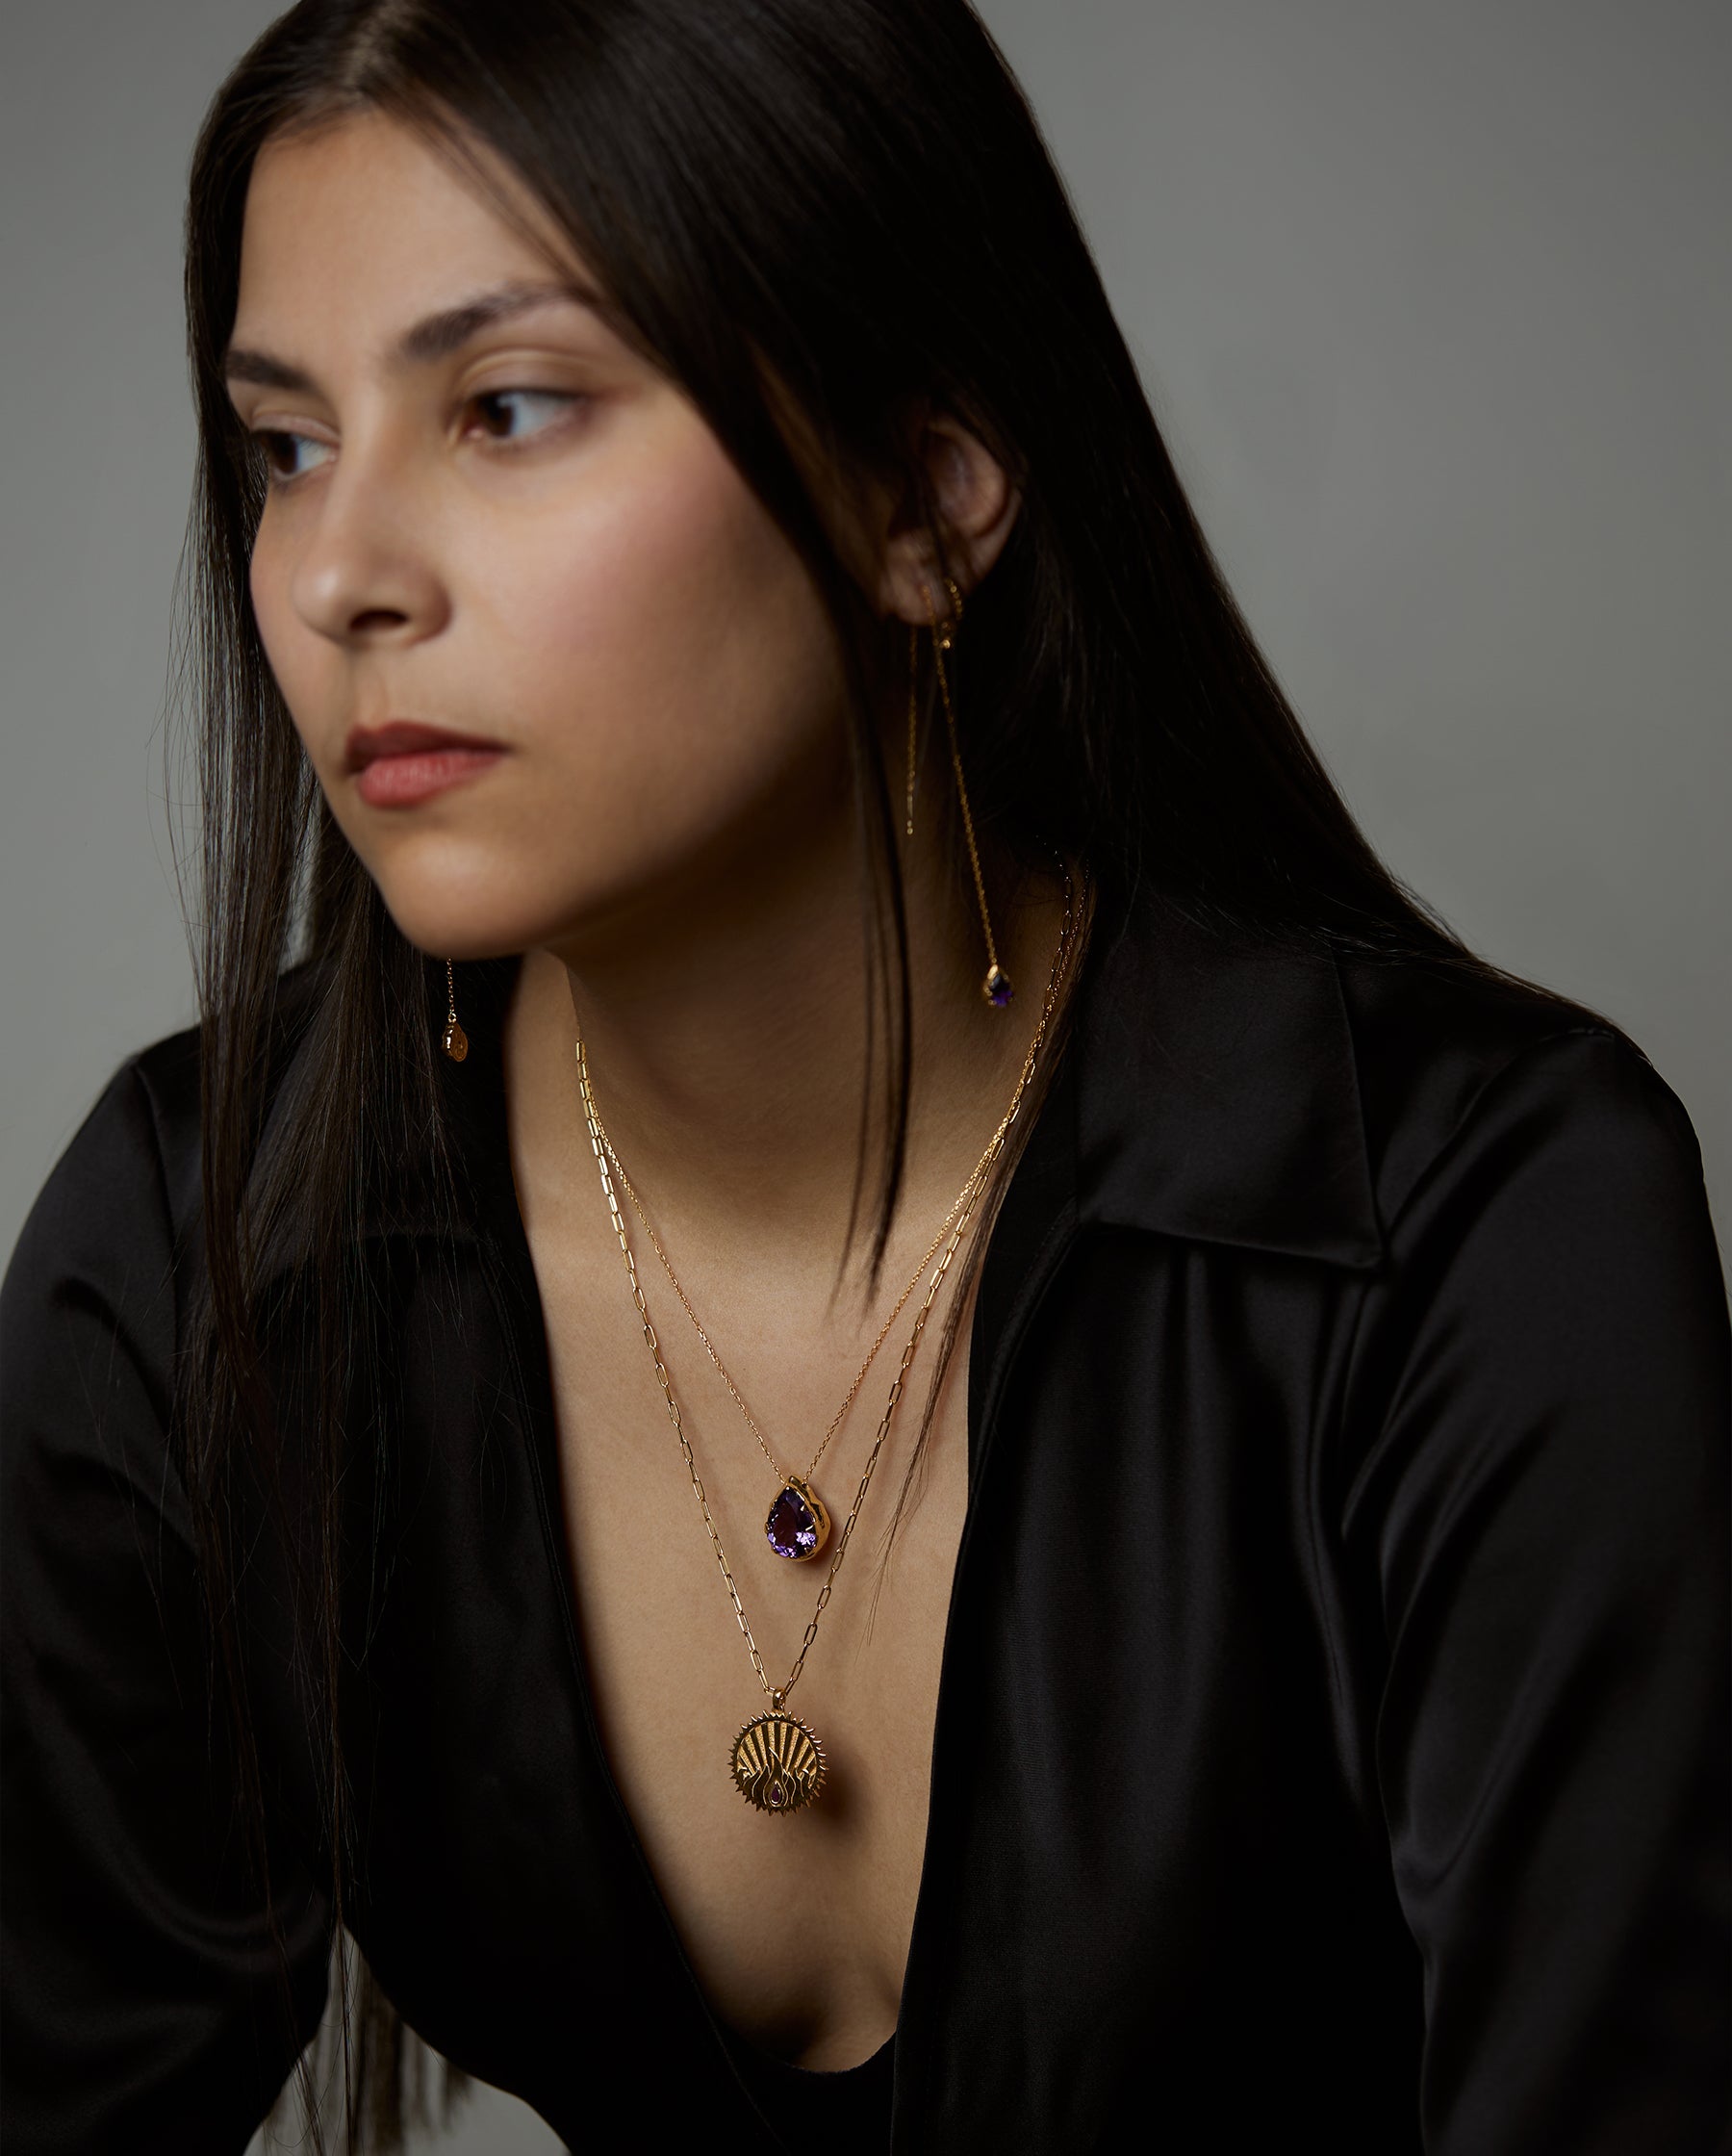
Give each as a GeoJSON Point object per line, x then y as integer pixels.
{"type": "Point", "coordinates": [1332, 1739]}
{"type": "Point", "coordinates": [844, 2114]}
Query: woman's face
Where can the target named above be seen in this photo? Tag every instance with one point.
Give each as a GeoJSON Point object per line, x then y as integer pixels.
{"type": "Point", "coordinates": [488, 516]}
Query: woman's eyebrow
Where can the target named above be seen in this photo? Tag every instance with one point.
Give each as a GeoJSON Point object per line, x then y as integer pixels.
{"type": "Point", "coordinates": [434, 337]}
{"type": "Point", "coordinates": [439, 336]}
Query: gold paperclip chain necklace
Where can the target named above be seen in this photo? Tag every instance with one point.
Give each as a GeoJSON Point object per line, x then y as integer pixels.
{"type": "Point", "coordinates": [778, 1761]}
{"type": "Point", "coordinates": [799, 1522]}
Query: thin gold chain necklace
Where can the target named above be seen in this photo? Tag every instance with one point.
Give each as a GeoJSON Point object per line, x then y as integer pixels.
{"type": "Point", "coordinates": [776, 1760]}
{"type": "Point", "coordinates": [797, 1523]}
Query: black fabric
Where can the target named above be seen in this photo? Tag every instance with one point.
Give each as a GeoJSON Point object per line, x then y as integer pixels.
{"type": "Point", "coordinates": [1333, 1731]}
{"type": "Point", "coordinates": [844, 2112]}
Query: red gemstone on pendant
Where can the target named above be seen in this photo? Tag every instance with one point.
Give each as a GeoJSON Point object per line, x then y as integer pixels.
{"type": "Point", "coordinates": [792, 1528]}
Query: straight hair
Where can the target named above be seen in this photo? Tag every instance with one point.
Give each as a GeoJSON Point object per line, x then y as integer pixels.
{"type": "Point", "coordinates": [838, 209]}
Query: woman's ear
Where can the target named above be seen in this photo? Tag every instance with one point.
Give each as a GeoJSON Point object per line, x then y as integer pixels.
{"type": "Point", "coordinates": [975, 505]}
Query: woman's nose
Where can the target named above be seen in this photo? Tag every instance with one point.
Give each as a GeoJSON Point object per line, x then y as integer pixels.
{"type": "Point", "coordinates": [367, 575]}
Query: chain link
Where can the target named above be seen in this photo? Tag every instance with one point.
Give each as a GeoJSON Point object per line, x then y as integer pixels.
{"type": "Point", "coordinates": [963, 1196]}
{"type": "Point", "coordinates": [776, 1693]}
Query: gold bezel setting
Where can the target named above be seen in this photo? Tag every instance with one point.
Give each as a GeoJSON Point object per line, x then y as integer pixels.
{"type": "Point", "coordinates": [805, 1495]}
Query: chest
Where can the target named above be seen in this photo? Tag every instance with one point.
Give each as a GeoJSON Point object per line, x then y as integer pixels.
{"type": "Point", "coordinates": [1151, 1813]}
{"type": "Point", "coordinates": [798, 1927]}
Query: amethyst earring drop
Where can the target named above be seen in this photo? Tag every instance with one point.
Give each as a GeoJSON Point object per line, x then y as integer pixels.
{"type": "Point", "coordinates": [454, 1040]}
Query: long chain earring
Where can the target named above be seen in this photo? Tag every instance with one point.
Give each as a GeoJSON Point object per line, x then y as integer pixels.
{"type": "Point", "coordinates": [913, 714]}
{"type": "Point", "coordinates": [455, 1042]}
{"type": "Point", "coordinates": [996, 988]}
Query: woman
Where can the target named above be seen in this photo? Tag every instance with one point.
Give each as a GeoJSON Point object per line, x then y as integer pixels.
{"type": "Point", "coordinates": [778, 978]}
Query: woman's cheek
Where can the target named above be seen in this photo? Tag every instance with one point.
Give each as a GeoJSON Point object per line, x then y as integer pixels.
{"type": "Point", "coordinates": [657, 622]}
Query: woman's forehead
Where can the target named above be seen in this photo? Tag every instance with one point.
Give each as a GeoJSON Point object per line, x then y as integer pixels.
{"type": "Point", "coordinates": [364, 215]}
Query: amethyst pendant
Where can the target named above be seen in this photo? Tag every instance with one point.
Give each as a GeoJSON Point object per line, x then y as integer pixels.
{"type": "Point", "coordinates": [798, 1525]}
{"type": "Point", "coordinates": [996, 989]}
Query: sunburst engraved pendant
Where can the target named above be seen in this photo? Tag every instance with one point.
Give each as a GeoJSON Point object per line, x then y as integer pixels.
{"type": "Point", "coordinates": [798, 1526]}
{"type": "Point", "coordinates": [777, 1763]}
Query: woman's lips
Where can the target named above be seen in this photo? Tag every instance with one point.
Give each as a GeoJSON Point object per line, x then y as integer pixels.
{"type": "Point", "coordinates": [399, 782]}
{"type": "Point", "coordinates": [406, 763]}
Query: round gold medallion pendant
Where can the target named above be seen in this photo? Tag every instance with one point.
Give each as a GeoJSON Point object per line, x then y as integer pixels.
{"type": "Point", "coordinates": [777, 1763]}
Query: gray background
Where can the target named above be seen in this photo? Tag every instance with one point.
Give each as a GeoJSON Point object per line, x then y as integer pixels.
{"type": "Point", "coordinates": [1433, 305]}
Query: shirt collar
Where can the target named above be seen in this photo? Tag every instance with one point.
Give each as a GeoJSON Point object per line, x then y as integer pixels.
{"type": "Point", "coordinates": [1216, 1093]}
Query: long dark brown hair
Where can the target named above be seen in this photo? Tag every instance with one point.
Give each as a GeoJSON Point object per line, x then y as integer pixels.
{"type": "Point", "coordinates": [849, 199]}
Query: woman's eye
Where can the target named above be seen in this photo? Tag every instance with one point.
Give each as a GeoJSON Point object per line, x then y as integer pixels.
{"type": "Point", "coordinates": [289, 457]}
{"type": "Point", "coordinates": [511, 415]}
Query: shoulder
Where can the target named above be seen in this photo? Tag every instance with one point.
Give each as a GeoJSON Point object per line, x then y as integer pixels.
{"type": "Point", "coordinates": [91, 1318]}
{"type": "Point", "coordinates": [1552, 1286]}
{"type": "Point", "coordinates": [121, 1202]}
{"type": "Point", "coordinates": [1455, 1065]}
{"type": "Point", "coordinates": [101, 1224]}
{"type": "Point", "coordinates": [1282, 1095]}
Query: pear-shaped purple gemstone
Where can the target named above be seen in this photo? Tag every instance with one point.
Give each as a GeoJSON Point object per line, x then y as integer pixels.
{"type": "Point", "coordinates": [792, 1528]}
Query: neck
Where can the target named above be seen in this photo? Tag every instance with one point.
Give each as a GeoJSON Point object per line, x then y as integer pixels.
{"type": "Point", "coordinates": [727, 1044]}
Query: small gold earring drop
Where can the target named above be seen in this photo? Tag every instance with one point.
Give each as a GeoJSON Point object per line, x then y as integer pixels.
{"type": "Point", "coordinates": [996, 988]}
{"type": "Point", "coordinates": [455, 1042]}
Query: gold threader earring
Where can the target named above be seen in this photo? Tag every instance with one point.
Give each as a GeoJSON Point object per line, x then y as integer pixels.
{"type": "Point", "coordinates": [455, 1042]}
{"type": "Point", "coordinates": [996, 988]}
{"type": "Point", "coordinates": [913, 716]}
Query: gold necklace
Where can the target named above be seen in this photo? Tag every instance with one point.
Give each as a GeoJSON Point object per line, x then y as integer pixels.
{"type": "Point", "coordinates": [797, 1524]}
{"type": "Point", "coordinates": [776, 1760]}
